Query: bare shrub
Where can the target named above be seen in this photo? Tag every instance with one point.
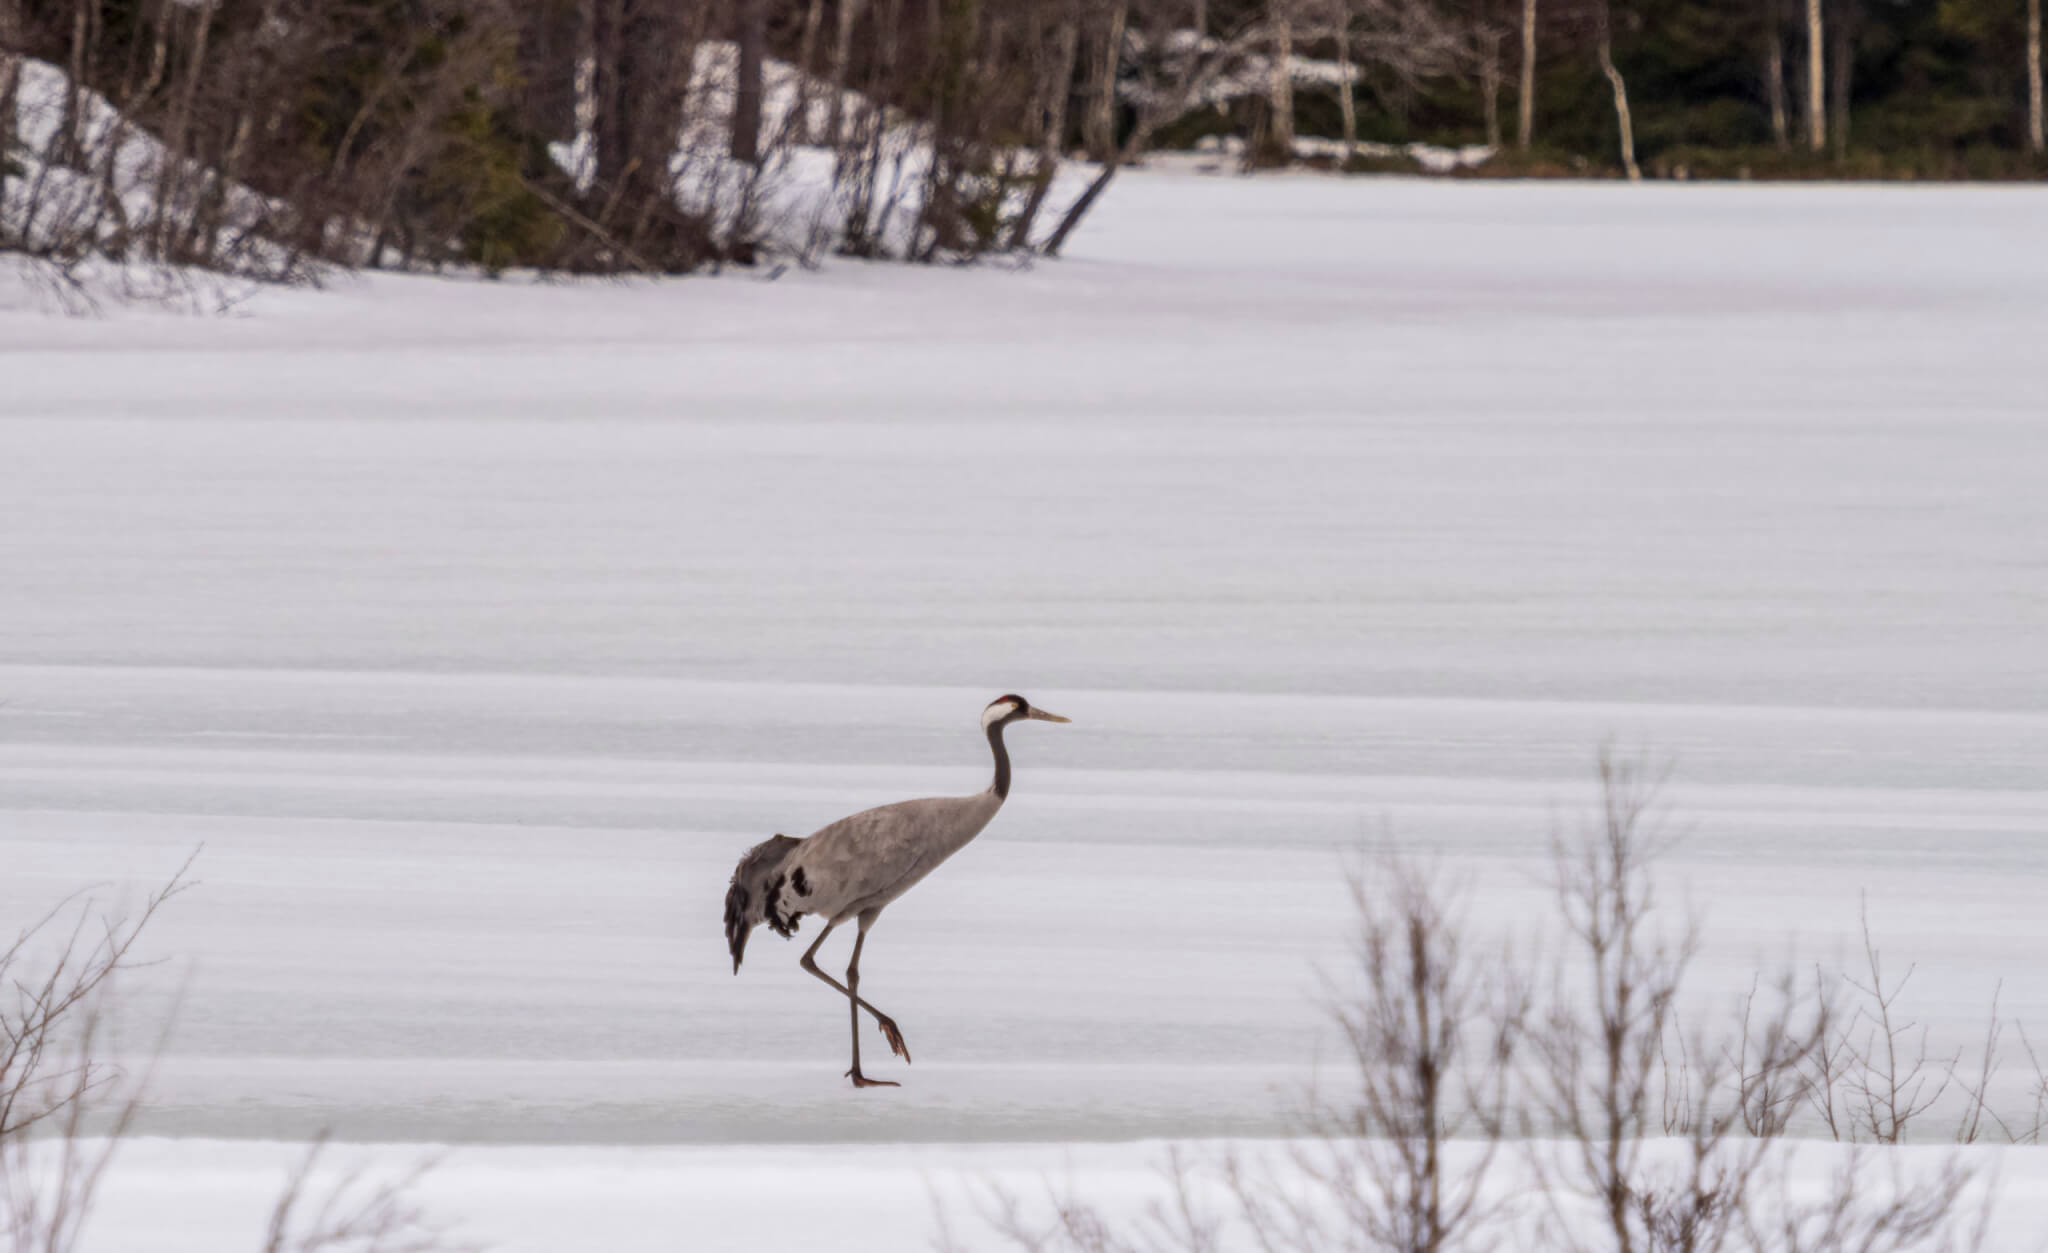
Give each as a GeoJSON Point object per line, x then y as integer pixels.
{"type": "Point", "coordinates": [59, 975]}
{"type": "Point", "coordinates": [1434, 1030]}
{"type": "Point", "coordinates": [1658, 1132]}
{"type": "Point", "coordinates": [65, 1109]}
{"type": "Point", "coordinates": [1890, 1078]}
{"type": "Point", "coordinates": [1873, 1076]}
{"type": "Point", "coordinates": [1432, 1027]}
{"type": "Point", "coordinates": [353, 1213]}
{"type": "Point", "coordinates": [1860, 1209]}
{"type": "Point", "coordinates": [1600, 1047]}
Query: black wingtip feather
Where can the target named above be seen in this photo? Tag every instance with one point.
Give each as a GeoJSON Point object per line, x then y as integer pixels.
{"type": "Point", "coordinates": [736, 925]}
{"type": "Point", "coordinates": [755, 868]}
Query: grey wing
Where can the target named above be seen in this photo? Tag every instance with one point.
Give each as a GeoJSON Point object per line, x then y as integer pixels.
{"type": "Point", "coordinates": [870, 858]}
{"type": "Point", "coordinates": [751, 899]}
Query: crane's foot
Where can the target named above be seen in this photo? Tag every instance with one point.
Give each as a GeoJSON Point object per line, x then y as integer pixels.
{"type": "Point", "coordinates": [895, 1037]}
{"type": "Point", "coordinates": [862, 1081]}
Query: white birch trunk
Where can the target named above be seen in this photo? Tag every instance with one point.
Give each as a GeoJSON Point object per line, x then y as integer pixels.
{"type": "Point", "coordinates": [1816, 79]}
{"type": "Point", "coordinates": [2035, 137]}
{"type": "Point", "coordinates": [1621, 113]}
{"type": "Point", "coordinates": [1347, 104]}
{"type": "Point", "coordinates": [1525, 122]}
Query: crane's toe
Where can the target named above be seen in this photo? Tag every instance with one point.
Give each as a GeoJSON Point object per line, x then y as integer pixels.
{"type": "Point", "coordinates": [895, 1037]}
{"type": "Point", "coordinates": [862, 1081]}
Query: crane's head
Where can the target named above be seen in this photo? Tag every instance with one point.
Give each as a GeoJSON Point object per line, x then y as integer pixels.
{"type": "Point", "coordinates": [1004, 710]}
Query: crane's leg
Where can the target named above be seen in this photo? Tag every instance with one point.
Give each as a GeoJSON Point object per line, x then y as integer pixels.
{"type": "Point", "coordinates": [882, 1020]}
{"type": "Point", "coordinates": [853, 1004]}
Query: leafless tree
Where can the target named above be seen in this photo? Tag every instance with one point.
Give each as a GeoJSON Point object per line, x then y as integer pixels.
{"type": "Point", "coordinates": [10, 89]}
{"type": "Point", "coordinates": [1106, 41]}
{"type": "Point", "coordinates": [1948, 1211]}
{"type": "Point", "coordinates": [355, 1212]}
{"type": "Point", "coordinates": [1891, 1077]}
{"type": "Point", "coordinates": [1599, 1048]}
{"type": "Point", "coordinates": [1525, 118]}
{"type": "Point", "coordinates": [45, 1011]}
{"type": "Point", "coordinates": [1177, 67]}
{"type": "Point", "coordinates": [1433, 1028]}
{"type": "Point", "coordinates": [1816, 78]}
{"type": "Point", "coordinates": [1603, 48]}
{"type": "Point", "coordinates": [60, 973]}
{"type": "Point", "coordinates": [1446, 1041]}
{"type": "Point", "coordinates": [1842, 31]}
{"type": "Point", "coordinates": [2037, 136]}
{"type": "Point", "coordinates": [1278, 140]}
{"type": "Point", "coordinates": [1056, 39]}
{"type": "Point", "coordinates": [65, 1109]}
{"type": "Point", "coordinates": [746, 111]}
{"type": "Point", "coordinates": [849, 12]}
{"type": "Point", "coordinates": [1774, 73]}
{"type": "Point", "coordinates": [2029, 1128]}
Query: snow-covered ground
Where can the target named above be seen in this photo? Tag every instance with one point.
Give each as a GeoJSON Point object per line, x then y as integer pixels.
{"type": "Point", "coordinates": [175, 1196]}
{"type": "Point", "coordinates": [475, 629]}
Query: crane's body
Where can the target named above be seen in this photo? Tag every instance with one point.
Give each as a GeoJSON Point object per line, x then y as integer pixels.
{"type": "Point", "coordinates": [852, 868]}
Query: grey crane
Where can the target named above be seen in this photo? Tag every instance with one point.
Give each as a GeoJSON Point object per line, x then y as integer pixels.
{"type": "Point", "coordinates": [856, 866]}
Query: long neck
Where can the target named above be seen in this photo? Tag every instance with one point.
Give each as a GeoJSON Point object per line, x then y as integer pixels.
{"type": "Point", "coordinates": [995, 743]}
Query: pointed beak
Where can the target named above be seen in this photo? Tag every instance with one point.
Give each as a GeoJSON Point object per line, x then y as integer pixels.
{"type": "Point", "coordinates": [1043, 716]}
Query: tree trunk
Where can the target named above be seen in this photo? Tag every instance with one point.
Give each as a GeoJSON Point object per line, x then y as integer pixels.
{"type": "Point", "coordinates": [176, 138]}
{"type": "Point", "coordinates": [1843, 35]}
{"type": "Point", "coordinates": [2035, 137]}
{"type": "Point", "coordinates": [1816, 80]}
{"type": "Point", "coordinates": [1099, 127]}
{"type": "Point", "coordinates": [1059, 82]}
{"type": "Point", "coordinates": [746, 99]}
{"type": "Point", "coordinates": [550, 34]}
{"type": "Point", "coordinates": [1196, 77]}
{"type": "Point", "coordinates": [842, 51]}
{"type": "Point", "coordinates": [1774, 76]}
{"type": "Point", "coordinates": [807, 69]}
{"type": "Point", "coordinates": [1621, 114]}
{"type": "Point", "coordinates": [1280, 137]}
{"type": "Point", "coordinates": [1525, 121]}
{"type": "Point", "coordinates": [1079, 209]}
{"type": "Point", "coordinates": [10, 79]}
{"type": "Point", "coordinates": [1489, 83]}
{"type": "Point", "coordinates": [642, 54]}
{"type": "Point", "coordinates": [1056, 79]}
{"type": "Point", "coordinates": [611, 120]}
{"type": "Point", "coordinates": [1347, 103]}
{"type": "Point", "coordinates": [67, 146]}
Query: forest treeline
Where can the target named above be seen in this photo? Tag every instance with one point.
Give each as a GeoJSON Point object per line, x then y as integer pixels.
{"type": "Point", "coordinates": [267, 136]}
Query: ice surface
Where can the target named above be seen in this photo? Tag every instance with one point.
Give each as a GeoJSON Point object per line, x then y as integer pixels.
{"type": "Point", "coordinates": [475, 629]}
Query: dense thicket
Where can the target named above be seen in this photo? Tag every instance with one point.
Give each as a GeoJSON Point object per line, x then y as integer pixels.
{"type": "Point", "coordinates": [656, 134]}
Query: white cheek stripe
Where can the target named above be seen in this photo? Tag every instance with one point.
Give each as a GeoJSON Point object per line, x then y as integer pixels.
{"type": "Point", "coordinates": [1000, 709]}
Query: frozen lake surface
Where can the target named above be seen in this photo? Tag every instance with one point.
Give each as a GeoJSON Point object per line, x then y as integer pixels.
{"type": "Point", "coordinates": [476, 629]}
